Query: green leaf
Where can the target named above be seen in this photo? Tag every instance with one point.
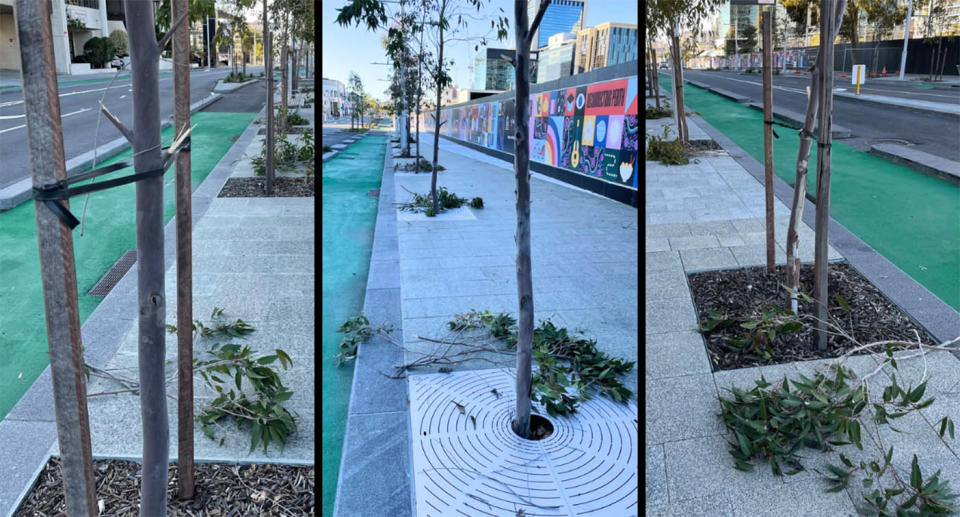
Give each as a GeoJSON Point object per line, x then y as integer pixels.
{"type": "Point", "coordinates": [254, 435]}
{"type": "Point", "coordinates": [750, 324]}
{"type": "Point", "coordinates": [950, 428]}
{"type": "Point", "coordinates": [207, 431]}
{"type": "Point", "coordinates": [267, 359]}
{"type": "Point", "coordinates": [841, 301]}
{"type": "Point", "coordinates": [284, 359]}
{"type": "Point", "coordinates": [237, 379]}
{"type": "Point", "coordinates": [867, 482]}
{"type": "Point", "coordinates": [916, 478]}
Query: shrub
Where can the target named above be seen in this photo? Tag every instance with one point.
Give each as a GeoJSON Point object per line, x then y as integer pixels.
{"type": "Point", "coordinates": [667, 152]}
{"type": "Point", "coordinates": [119, 40]}
{"type": "Point", "coordinates": [476, 202]}
{"type": "Point", "coordinates": [654, 112]}
{"type": "Point", "coordinates": [327, 149]}
{"type": "Point", "coordinates": [99, 51]}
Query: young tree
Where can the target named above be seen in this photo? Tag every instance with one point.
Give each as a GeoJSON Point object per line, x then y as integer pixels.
{"type": "Point", "coordinates": [937, 23]}
{"type": "Point", "coordinates": [667, 16]}
{"type": "Point", "coordinates": [247, 41]}
{"type": "Point", "coordinates": [883, 16]}
{"type": "Point", "coordinates": [446, 12]}
{"type": "Point", "coordinates": [803, 155]}
{"type": "Point", "coordinates": [357, 93]}
{"type": "Point", "coordinates": [849, 29]}
{"type": "Point", "coordinates": [749, 33]}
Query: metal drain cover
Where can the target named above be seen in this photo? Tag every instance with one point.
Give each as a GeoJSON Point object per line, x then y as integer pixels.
{"type": "Point", "coordinates": [472, 463]}
{"type": "Point", "coordinates": [114, 274]}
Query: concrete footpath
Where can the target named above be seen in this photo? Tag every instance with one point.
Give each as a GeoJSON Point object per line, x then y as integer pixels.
{"type": "Point", "coordinates": [425, 270]}
{"type": "Point", "coordinates": [253, 257]}
{"type": "Point", "coordinates": [709, 215]}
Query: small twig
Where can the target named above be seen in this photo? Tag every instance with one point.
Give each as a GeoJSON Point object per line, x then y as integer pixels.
{"type": "Point", "coordinates": [116, 122]}
{"type": "Point", "coordinates": [173, 29]}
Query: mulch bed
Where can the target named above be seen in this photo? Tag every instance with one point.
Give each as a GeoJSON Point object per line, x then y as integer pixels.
{"type": "Point", "coordinates": [299, 130]}
{"type": "Point", "coordinates": [257, 187]}
{"type": "Point", "coordinates": [703, 145]}
{"type": "Point", "coordinates": [220, 490]}
{"type": "Point", "coordinates": [741, 292]}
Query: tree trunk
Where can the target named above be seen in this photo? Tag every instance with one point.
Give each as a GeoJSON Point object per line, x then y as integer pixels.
{"type": "Point", "coordinates": [181, 121]}
{"type": "Point", "coordinates": [144, 57]}
{"type": "Point", "coordinates": [284, 75]}
{"type": "Point", "coordinates": [521, 161]}
{"type": "Point", "coordinates": [436, 132]}
{"type": "Point", "coordinates": [57, 266]}
{"type": "Point", "coordinates": [416, 169]}
{"type": "Point", "coordinates": [268, 63]}
{"type": "Point", "coordinates": [656, 76]}
{"type": "Point", "coordinates": [800, 183]}
{"type": "Point", "coordinates": [678, 87]}
{"type": "Point", "coordinates": [821, 270]}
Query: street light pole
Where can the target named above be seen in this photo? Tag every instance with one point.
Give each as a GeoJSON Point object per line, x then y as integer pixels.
{"type": "Point", "coordinates": [404, 137]}
{"type": "Point", "coordinates": [906, 39]}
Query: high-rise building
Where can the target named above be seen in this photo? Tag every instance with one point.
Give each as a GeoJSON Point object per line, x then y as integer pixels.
{"type": "Point", "coordinates": [561, 16]}
{"type": "Point", "coordinates": [492, 72]}
{"type": "Point", "coordinates": [606, 44]}
{"type": "Point", "coordinates": [556, 59]}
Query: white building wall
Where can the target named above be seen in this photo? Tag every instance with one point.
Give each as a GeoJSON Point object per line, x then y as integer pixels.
{"type": "Point", "coordinates": [9, 49]}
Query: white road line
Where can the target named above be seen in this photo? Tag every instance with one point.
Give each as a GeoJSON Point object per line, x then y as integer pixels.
{"type": "Point", "coordinates": [12, 128]}
{"type": "Point", "coordinates": [875, 91]}
{"type": "Point", "coordinates": [8, 117]}
{"type": "Point", "coordinates": [15, 103]}
{"type": "Point", "coordinates": [75, 112]}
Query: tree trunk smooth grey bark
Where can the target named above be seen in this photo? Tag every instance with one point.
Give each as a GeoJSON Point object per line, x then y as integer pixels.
{"type": "Point", "coordinates": [144, 56]}
{"type": "Point", "coordinates": [181, 122]}
{"type": "Point", "coordinates": [521, 163]}
{"type": "Point", "coordinates": [656, 76]}
{"type": "Point", "coordinates": [436, 133]}
{"type": "Point", "coordinates": [768, 140]}
{"type": "Point", "coordinates": [268, 65]}
{"type": "Point", "coordinates": [57, 267]}
{"type": "Point", "coordinates": [821, 267]}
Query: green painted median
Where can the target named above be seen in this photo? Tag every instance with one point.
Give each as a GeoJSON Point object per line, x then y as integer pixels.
{"type": "Point", "coordinates": [911, 218]}
{"type": "Point", "coordinates": [108, 231]}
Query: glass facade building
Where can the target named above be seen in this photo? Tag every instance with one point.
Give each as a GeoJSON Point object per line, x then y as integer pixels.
{"type": "Point", "coordinates": [606, 44]}
{"type": "Point", "coordinates": [555, 62]}
{"type": "Point", "coordinates": [492, 72]}
{"type": "Point", "coordinates": [561, 16]}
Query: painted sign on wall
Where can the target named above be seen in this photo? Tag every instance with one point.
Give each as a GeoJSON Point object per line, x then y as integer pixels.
{"type": "Point", "coordinates": [591, 129]}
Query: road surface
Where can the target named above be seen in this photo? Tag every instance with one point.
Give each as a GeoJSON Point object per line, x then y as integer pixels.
{"type": "Point", "coordinates": [868, 122]}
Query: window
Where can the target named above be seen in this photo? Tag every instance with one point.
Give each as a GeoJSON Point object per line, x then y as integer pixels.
{"type": "Point", "coordinates": [92, 4]}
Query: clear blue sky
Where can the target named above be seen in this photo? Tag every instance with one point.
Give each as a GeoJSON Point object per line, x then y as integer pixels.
{"type": "Point", "coordinates": [354, 48]}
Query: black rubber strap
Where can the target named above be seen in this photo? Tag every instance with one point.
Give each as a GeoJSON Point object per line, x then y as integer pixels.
{"type": "Point", "coordinates": [772, 123]}
{"type": "Point", "coordinates": [51, 193]}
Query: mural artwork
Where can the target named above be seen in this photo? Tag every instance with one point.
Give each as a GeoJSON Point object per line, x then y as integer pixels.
{"type": "Point", "coordinates": [591, 129]}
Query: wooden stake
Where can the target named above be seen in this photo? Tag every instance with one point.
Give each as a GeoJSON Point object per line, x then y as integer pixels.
{"type": "Point", "coordinates": [144, 57]}
{"type": "Point", "coordinates": [57, 268]}
{"type": "Point", "coordinates": [821, 271]}
{"type": "Point", "coordinates": [768, 139]}
{"type": "Point", "coordinates": [181, 119]}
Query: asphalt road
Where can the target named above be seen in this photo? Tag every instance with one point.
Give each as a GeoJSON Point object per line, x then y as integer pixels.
{"type": "Point", "coordinates": [868, 122]}
{"type": "Point", "coordinates": [79, 108]}
{"type": "Point", "coordinates": [334, 132]}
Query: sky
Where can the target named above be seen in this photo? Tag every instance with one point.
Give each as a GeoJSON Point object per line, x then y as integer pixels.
{"type": "Point", "coordinates": [354, 48]}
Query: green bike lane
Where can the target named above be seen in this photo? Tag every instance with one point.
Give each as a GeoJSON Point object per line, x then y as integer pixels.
{"type": "Point", "coordinates": [349, 218]}
{"type": "Point", "coordinates": [108, 231]}
{"type": "Point", "coordinates": [911, 218]}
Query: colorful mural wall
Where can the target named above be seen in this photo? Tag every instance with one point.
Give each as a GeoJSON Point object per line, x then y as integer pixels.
{"type": "Point", "coordinates": [591, 129]}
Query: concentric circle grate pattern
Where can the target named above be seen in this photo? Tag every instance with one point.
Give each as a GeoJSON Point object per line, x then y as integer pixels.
{"type": "Point", "coordinates": [468, 461]}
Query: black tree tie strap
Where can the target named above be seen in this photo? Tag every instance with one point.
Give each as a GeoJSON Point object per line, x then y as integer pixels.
{"type": "Point", "coordinates": [51, 193]}
{"type": "Point", "coordinates": [772, 123]}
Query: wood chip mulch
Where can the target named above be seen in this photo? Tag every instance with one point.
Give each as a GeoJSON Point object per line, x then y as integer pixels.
{"type": "Point", "coordinates": [740, 292]}
{"type": "Point", "coordinates": [257, 187]}
{"type": "Point", "coordinates": [220, 490]}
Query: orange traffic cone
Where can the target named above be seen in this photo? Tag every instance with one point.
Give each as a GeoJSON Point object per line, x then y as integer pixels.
{"type": "Point", "coordinates": [884, 72]}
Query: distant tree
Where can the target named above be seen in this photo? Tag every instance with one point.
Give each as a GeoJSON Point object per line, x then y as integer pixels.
{"type": "Point", "coordinates": [883, 16]}
{"type": "Point", "coordinates": [98, 51]}
{"type": "Point", "coordinates": [849, 27]}
{"type": "Point", "coordinates": [749, 33]}
{"type": "Point", "coordinates": [358, 95]}
{"type": "Point", "coordinates": [118, 39]}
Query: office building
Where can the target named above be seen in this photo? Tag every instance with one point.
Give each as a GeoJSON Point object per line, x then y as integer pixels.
{"type": "Point", "coordinates": [561, 16]}
{"type": "Point", "coordinates": [556, 59]}
{"type": "Point", "coordinates": [491, 72]}
{"type": "Point", "coordinates": [606, 44]}
{"type": "Point", "coordinates": [334, 99]}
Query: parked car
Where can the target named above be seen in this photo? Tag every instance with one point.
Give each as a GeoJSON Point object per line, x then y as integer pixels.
{"type": "Point", "coordinates": [117, 63]}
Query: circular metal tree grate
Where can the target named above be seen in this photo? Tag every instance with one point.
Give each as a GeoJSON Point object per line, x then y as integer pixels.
{"type": "Point", "coordinates": [468, 461]}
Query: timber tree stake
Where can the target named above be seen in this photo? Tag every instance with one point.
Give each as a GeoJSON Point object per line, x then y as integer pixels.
{"type": "Point", "coordinates": [768, 138]}
{"type": "Point", "coordinates": [821, 268]}
{"type": "Point", "coordinates": [57, 268]}
{"type": "Point", "coordinates": [181, 118]}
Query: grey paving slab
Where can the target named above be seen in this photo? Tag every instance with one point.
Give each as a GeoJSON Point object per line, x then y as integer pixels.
{"type": "Point", "coordinates": [694, 242]}
{"type": "Point", "coordinates": [23, 452]}
{"type": "Point", "coordinates": [702, 466]}
{"type": "Point", "coordinates": [670, 315]}
{"type": "Point", "coordinates": [666, 283]}
{"type": "Point", "coordinates": [662, 260]}
{"type": "Point", "coordinates": [675, 354]}
{"type": "Point", "coordinates": [655, 479]}
{"type": "Point", "coordinates": [708, 259]}
{"type": "Point", "coordinates": [696, 394]}
{"type": "Point", "coordinates": [375, 471]}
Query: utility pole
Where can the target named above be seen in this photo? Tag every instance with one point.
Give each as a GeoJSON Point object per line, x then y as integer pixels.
{"type": "Point", "coordinates": [768, 135]}
{"type": "Point", "coordinates": [821, 269]}
{"type": "Point", "coordinates": [181, 121]}
{"type": "Point", "coordinates": [906, 39]}
{"type": "Point", "coordinates": [268, 56]}
{"type": "Point", "coordinates": [57, 267]}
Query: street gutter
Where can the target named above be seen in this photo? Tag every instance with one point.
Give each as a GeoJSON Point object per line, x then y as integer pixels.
{"type": "Point", "coordinates": [13, 195]}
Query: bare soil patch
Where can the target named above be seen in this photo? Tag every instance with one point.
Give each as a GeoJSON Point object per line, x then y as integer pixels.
{"type": "Point", "coordinates": [870, 316]}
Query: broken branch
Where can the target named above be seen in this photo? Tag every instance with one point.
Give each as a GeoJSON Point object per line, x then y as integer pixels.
{"type": "Point", "coordinates": [173, 30]}
{"type": "Point", "coordinates": [116, 122]}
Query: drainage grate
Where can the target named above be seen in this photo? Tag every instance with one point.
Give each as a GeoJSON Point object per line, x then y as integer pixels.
{"type": "Point", "coordinates": [114, 274]}
{"type": "Point", "coordinates": [472, 463]}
